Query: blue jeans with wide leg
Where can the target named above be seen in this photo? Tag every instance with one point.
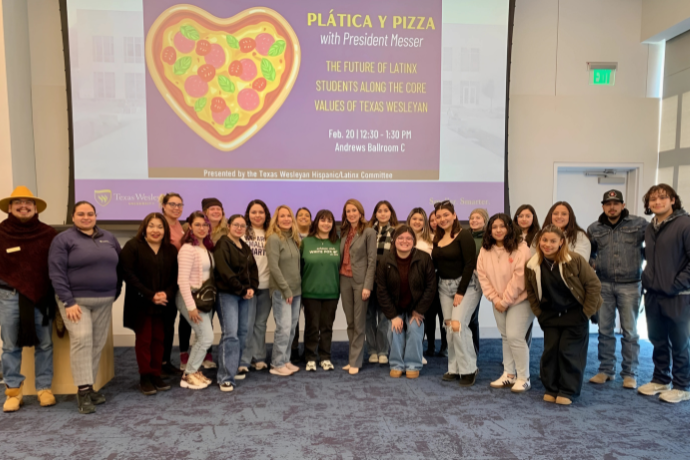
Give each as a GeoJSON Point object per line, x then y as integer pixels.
{"type": "Point", "coordinates": [406, 346]}
{"type": "Point", "coordinates": [232, 313]}
{"type": "Point", "coordinates": [286, 316]}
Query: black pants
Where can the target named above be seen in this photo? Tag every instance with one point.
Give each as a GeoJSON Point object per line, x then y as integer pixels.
{"type": "Point", "coordinates": [668, 326]}
{"type": "Point", "coordinates": [430, 325]}
{"type": "Point", "coordinates": [319, 316]}
{"type": "Point", "coordinates": [474, 327]}
{"type": "Point", "coordinates": [184, 333]}
{"type": "Point", "coordinates": [566, 339]}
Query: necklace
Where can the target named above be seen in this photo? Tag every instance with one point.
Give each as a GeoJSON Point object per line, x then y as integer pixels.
{"type": "Point", "coordinates": [550, 263]}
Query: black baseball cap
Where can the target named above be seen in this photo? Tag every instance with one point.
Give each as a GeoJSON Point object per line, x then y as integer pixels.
{"type": "Point", "coordinates": [613, 195]}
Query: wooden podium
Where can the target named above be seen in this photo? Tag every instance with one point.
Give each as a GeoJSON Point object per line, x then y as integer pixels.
{"type": "Point", "coordinates": [63, 383]}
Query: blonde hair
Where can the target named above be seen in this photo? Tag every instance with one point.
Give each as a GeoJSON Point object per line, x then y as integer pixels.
{"type": "Point", "coordinates": [426, 234]}
{"type": "Point", "coordinates": [273, 227]}
{"type": "Point", "coordinates": [562, 254]}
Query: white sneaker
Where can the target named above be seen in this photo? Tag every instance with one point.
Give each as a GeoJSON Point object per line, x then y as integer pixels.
{"type": "Point", "coordinates": [327, 365]}
{"type": "Point", "coordinates": [311, 366]}
{"type": "Point", "coordinates": [259, 366]}
{"type": "Point", "coordinates": [282, 371]}
{"type": "Point", "coordinates": [423, 361]}
{"type": "Point", "coordinates": [242, 372]}
{"type": "Point", "coordinates": [383, 359]}
{"type": "Point", "coordinates": [521, 386]}
{"type": "Point", "coordinates": [675, 396]}
{"type": "Point", "coordinates": [193, 382]}
{"type": "Point", "coordinates": [503, 381]}
{"type": "Point", "coordinates": [227, 386]}
{"type": "Point", "coordinates": [651, 388]}
{"type": "Point", "coordinates": [374, 358]}
{"type": "Point", "coordinates": [208, 364]}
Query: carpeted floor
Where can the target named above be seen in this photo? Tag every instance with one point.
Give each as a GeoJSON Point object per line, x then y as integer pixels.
{"type": "Point", "coordinates": [369, 416]}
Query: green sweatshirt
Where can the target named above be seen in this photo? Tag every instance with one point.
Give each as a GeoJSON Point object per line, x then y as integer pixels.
{"type": "Point", "coordinates": [320, 266]}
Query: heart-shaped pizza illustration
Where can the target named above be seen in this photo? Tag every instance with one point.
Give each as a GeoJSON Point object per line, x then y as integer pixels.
{"type": "Point", "coordinates": [225, 78]}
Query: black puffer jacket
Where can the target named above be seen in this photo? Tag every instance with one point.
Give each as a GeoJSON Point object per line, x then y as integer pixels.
{"type": "Point", "coordinates": [422, 279]}
{"type": "Point", "coordinates": [236, 270]}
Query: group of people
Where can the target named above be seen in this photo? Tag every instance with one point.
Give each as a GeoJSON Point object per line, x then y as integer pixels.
{"type": "Point", "coordinates": [393, 279]}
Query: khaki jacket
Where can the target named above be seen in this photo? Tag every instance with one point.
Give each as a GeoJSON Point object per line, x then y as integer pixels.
{"type": "Point", "coordinates": [577, 275]}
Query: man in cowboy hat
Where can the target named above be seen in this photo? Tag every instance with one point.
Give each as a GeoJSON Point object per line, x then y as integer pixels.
{"type": "Point", "coordinates": [618, 254]}
{"type": "Point", "coordinates": [27, 302]}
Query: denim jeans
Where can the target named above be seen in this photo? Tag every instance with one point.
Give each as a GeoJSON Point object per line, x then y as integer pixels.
{"type": "Point", "coordinates": [513, 325]}
{"type": "Point", "coordinates": [257, 318]}
{"type": "Point", "coordinates": [377, 329]}
{"type": "Point", "coordinates": [406, 346]}
{"type": "Point", "coordinates": [462, 358]}
{"type": "Point", "coordinates": [12, 354]}
{"type": "Point", "coordinates": [626, 299]}
{"type": "Point", "coordinates": [286, 317]}
{"type": "Point", "coordinates": [232, 313]}
{"type": "Point", "coordinates": [204, 336]}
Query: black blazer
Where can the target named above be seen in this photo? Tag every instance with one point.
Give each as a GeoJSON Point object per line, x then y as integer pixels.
{"type": "Point", "coordinates": [235, 269]}
{"type": "Point", "coordinates": [147, 273]}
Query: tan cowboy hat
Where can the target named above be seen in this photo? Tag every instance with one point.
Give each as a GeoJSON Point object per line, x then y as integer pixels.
{"type": "Point", "coordinates": [19, 193]}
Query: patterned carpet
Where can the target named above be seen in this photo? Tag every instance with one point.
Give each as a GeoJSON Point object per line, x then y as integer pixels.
{"type": "Point", "coordinates": [369, 416]}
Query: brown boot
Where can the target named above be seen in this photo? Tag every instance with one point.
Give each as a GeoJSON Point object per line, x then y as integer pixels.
{"type": "Point", "coordinates": [46, 398]}
{"type": "Point", "coordinates": [412, 374]}
{"type": "Point", "coordinates": [14, 399]}
{"type": "Point", "coordinates": [601, 378]}
{"type": "Point", "coordinates": [395, 373]}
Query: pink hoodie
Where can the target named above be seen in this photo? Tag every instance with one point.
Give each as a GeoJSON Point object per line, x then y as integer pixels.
{"type": "Point", "coordinates": [502, 275]}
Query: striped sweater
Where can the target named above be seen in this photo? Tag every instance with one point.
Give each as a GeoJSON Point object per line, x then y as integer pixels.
{"type": "Point", "coordinates": [194, 267]}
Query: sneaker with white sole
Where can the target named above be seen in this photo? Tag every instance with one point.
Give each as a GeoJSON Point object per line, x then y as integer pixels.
{"type": "Point", "coordinates": [282, 371]}
{"type": "Point", "coordinates": [383, 359]}
{"type": "Point", "coordinates": [208, 362]}
{"type": "Point", "coordinates": [674, 396]}
{"type": "Point", "coordinates": [200, 375]}
{"type": "Point", "coordinates": [193, 382]}
{"type": "Point", "coordinates": [184, 357]}
{"type": "Point", "coordinates": [227, 386]}
{"type": "Point", "coordinates": [504, 381]}
{"type": "Point", "coordinates": [653, 388]}
{"type": "Point", "coordinates": [242, 372]}
{"type": "Point", "coordinates": [311, 366]}
{"type": "Point", "coordinates": [259, 366]}
{"type": "Point", "coordinates": [521, 385]}
{"type": "Point", "coordinates": [374, 358]}
{"type": "Point", "coordinates": [327, 365]}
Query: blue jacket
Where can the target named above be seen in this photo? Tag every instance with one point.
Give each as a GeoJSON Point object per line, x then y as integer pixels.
{"type": "Point", "coordinates": [84, 266]}
{"type": "Point", "coordinates": [617, 252]}
{"type": "Point", "coordinates": [668, 256]}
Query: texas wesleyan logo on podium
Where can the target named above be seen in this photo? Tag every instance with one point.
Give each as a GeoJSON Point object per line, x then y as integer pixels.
{"type": "Point", "coordinates": [103, 197]}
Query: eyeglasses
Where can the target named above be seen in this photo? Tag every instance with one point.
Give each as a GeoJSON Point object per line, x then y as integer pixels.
{"type": "Point", "coordinates": [24, 202]}
{"type": "Point", "coordinates": [240, 226]}
{"type": "Point", "coordinates": [443, 203]}
{"type": "Point", "coordinates": [176, 205]}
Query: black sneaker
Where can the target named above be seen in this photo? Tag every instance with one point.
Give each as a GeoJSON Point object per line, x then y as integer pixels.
{"type": "Point", "coordinates": [169, 370]}
{"type": "Point", "coordinates": [145, 385]}
{"type": "Point", "coordinates": [467, 380]}
{"type": "Point", "coordinates": [84, 402]}
{"type": "Point", "coordinates": [159, 384]}
{"type": "Point", "coordinates": [96, 397]}
{"type": "Point", "coordinates": [448, 377]}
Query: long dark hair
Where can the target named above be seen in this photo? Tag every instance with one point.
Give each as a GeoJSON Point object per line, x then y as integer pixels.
{"type": "Point", "coordinates": [393, 222]}
{"type": "Point", "coordinates": [250, 230]}
{"type": "Point", "coordinates": [141, 233]}
{"type": "Point", "coordinates": [440, 232]}
{"type": "Point", "coordinates": [533, 229]}
{"type": "Point", "coordinates": [572, 229]}
{"type": "Point", "coordinates": [659, 189]}
{"type": "Point", "coordinates": [189, 235]}
{"type": "Point", "coordinates": [321, 215]}
{"type": "Point", "coordinates": [512, 238]}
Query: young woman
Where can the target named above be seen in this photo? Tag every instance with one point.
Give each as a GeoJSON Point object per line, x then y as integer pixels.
{"type": "Point", "coordinates": [257, 217]}
{"type": "Point", "coordinates": [564, 292]}
{"type": "Point", "coordinates": [83, 269]}
{"type": "Point", "coordinates": [213, 210]}
{"type": "Point", "coordinates": [383, 221]}
{"type": "Point", "coordinates": [285, 284]}
{"type": "Point", "coordinates": [478, 219]}
{"type": "Point", "coordinates": [303, 218]}
{"type": "Point", "coordinates": [148, 264]}
{"type": "Point", "coordinates": [357, 271]}
{"type": "Point", "coordinates": [561, 214]}
{"type": "Point", "coordinates": [237, 278]}
{"type": "Point", "coordinates": [527, 221]}
{"type": "Point", "coordinates": [406, 283]}
{"type": "Point", "coordinates": [455, 258]}
{"type": "Point", "coordinates": [432, 221]}
{"type": "Point", "coordinates": [320, 288]}
{"type": "Point", "coordinates": [501, 271]}
{"type": "Point", "coordinates": [171, 207]}
{"type": "Point", "coordinates": [195, 266]}
{"type": "Point", "coordinates": [434, 311]}
{"type": "Point", "coordinates": [420, 224]}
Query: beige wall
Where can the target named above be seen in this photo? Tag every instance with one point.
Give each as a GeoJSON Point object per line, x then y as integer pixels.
{"type": "Point", "coordinates": [664, 19]}
{"type": "Point", "coordinates": [6, 183]}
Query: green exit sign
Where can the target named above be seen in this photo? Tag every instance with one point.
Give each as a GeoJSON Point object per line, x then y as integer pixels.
{"type": "Point", "coordinates": [602, 77]}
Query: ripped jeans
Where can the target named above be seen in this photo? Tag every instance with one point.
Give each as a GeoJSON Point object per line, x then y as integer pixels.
{"type": "Point", "coordinates": [462, 358]}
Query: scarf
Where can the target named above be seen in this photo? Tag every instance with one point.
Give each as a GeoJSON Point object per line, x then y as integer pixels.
{"type": "Point", "coordinates": [26, 270]}
{"type": "Point", "coordinates": [384, 238]}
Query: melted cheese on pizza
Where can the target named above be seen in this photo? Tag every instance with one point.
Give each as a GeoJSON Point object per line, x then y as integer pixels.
{"type": "Point", "coordinates": [224, 77]}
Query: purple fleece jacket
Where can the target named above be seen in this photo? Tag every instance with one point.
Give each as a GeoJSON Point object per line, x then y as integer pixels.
{"type": "Point", "coordinates": [84, 266]}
